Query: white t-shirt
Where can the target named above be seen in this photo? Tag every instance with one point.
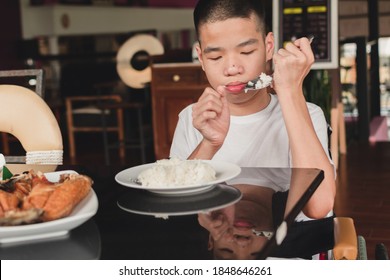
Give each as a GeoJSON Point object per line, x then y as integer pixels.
{"type": "Point", "coordinates": [257, 140]}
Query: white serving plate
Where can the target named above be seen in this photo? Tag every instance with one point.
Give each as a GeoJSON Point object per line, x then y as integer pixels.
{"type": "Point", "coordinates": [224, 171]}
{"type": "Point", "coordinates": [52, 229]}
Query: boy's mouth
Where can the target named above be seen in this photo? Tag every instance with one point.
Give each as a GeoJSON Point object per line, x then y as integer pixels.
{"type": "Point", "coordinates": [243, 224]}
{"type": "Point", "coordinates": [235, 87]}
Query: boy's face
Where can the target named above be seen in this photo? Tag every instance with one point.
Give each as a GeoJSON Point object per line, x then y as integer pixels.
{"type": "Point", "coordinates": [232, 52]}
{"type": "Point", "coordinates": [243, 247]}
{"type": "Point", "coordinates": [239, 242]}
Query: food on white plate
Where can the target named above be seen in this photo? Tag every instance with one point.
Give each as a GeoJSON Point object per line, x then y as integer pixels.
{"type": "Point", "coordinates": [175, 172]}
{"type": "Point", "coordinates": [19, 217]}
{"type": "Point", "coordinates": [260, 82]}
{"type": "Point", "coordinates": [31, 198]}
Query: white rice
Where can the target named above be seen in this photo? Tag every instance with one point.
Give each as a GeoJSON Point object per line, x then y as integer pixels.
{"type": "Point", "coordinates": [263, 81]}
{"type": "Point", "coordinates": [175, 172]}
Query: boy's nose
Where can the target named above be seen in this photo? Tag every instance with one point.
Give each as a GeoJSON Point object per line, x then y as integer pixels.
{"type": "Point", "coordinates": [242, 240]}
{"type": "Point", "coordinates": [233, 69]}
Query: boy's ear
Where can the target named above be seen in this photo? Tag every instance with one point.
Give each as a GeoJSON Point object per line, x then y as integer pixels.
{"type": "Point", "coordinates": [269, 45]}
{"type": "Point", "coordinates": [199, 52]}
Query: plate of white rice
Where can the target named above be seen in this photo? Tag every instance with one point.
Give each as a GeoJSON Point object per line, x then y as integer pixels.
{"type": "Point", "coordinates": [175, 176]}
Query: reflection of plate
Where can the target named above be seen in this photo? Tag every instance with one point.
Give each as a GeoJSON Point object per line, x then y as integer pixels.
{"type": "Point", "coordinates": [162, 206]}
{"type": "Point", "coordinates": [83, 211]}
{"type": "Point", "coordinates": [82, 243]}
{"type": "Point", "coordinates": [224, 171]}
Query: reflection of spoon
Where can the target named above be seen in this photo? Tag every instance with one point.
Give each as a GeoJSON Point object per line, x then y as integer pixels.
{"type": "Point", "coordinates": [266, 234]}
{"type": "Point", "coordinates": [265, 80]}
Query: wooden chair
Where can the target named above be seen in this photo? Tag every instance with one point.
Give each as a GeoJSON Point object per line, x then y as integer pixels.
{"type": "Point", "coordinates": [348, 245]}
{"type": "Point", "coordinates": [97, 118]}
{"type": "Point", "coordinates": [26, 116]}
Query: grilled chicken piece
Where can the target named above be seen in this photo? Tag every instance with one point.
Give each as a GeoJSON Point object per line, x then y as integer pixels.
{"type": "Point", "coordinates": [30, 197]}
{"type": "Point", "coordinates": [8, 201]}
{"type": "Point", "coordinates": [40, 193]}
{"type": "Point", "coordinates": [71, 190]}
{"type": "Point", "coordinates": [20, 217]}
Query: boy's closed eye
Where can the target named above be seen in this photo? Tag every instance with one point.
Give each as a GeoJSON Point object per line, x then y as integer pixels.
{"type": "Point", "coordinates": [214, 58]}
{"type": "Point", "coordinates": [248, 52]}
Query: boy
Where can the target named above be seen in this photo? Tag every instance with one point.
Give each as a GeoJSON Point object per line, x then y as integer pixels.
{"type": "Point", "coordinates": [254, 128]}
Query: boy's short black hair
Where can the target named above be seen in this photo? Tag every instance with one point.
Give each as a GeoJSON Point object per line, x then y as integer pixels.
{"type": "Point", "coordinates": [219, 10]}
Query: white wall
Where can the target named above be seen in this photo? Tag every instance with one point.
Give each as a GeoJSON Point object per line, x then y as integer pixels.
{"type": "Point", "coordinates": [47, 20]}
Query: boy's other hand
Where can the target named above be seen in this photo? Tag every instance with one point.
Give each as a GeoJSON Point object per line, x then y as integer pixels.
{"type": "Point", "coordinates": [211, 116]}
{"type": "Point", "coordinates": [218, 223]}
{"type": "Point", "coordinates": [292, 64]}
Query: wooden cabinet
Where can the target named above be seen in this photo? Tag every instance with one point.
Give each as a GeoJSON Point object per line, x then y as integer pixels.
{"type": "Point", "coordinates": [173, 87]}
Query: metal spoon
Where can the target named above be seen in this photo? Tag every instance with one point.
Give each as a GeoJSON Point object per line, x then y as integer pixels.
{"type": "Point", "coordinates": [260, 82]}
{"type": "Point", "coordinates": [265, 80]}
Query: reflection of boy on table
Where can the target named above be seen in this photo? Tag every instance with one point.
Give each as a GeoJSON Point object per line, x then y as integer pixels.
{"type": "Point", "coordinates": [253, 128]}
{"type": "Point", "coordinates": [230, 229]}
{"type": "Point", "coordinates": [268, 196]}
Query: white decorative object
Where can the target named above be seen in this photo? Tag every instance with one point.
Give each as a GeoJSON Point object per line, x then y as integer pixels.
{"type": "Point", "coordinates": [44, 157]}
{"type": "Point", "coordinates": [2, 161]}
{"type": "Point", "coordinates": [129, 75]}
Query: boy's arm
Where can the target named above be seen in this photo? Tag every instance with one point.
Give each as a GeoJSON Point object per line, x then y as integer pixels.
{"type": "Point", "coordinates": [291, 66]}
